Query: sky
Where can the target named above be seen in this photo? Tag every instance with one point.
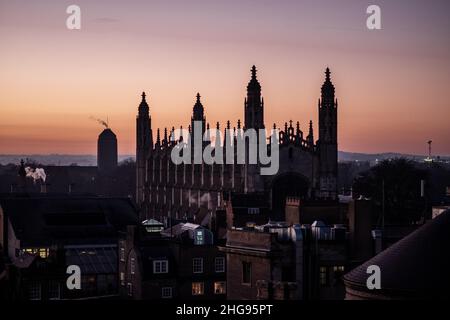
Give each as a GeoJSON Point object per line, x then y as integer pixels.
{"type": "Point", "coordinates": [392, 84]}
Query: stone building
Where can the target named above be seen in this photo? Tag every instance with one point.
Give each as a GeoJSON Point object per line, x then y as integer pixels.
{"type": "Point", "coordinates": [307, 168]}
{"type": "Point", "coordinates": [42, 236]}
{"type": "Point", "coordinates": [286, 262]}
{"type": "Point", "coordinates": [182, 262]}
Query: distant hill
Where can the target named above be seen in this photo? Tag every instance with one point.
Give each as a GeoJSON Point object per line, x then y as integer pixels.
{"type": "Point", "coordinates": [91, 160]}
{"type": "Point", "coordinates": [353, 156]}
{"type": "Point", "coordinates": [57, 159]}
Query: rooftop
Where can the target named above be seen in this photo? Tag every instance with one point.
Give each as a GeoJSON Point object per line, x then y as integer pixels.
{"type": "Point", "coordinates": [415, 267]}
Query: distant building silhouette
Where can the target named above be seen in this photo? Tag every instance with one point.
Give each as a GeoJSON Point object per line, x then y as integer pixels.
{"type": "Point", "coordinates": [107, 152]}
{"type": "Point", "coordinates": [307, 170]}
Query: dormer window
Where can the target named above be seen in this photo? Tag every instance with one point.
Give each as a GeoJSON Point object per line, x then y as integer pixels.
{"type": "Point", "coordinates": [199, 237]}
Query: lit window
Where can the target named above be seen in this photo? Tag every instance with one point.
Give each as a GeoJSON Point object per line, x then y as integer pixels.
{"type": "Point", "coordinates": [323, 276]}
{"type": "Point", "coordinates": [132, 266]}
{"type": "Point", "coordinates": [246, 272]}
{"type": "Point", "coordinates": [199, 239]}
{"type": "Point", "coordinates": [166, 292]}
{"type": "Point", "coordinates": [44, 252]}
{"type": "Point", "coordinates": [53, 290]}
{"type": "Point", "coordinates": [130, 288]}
{"type": "Point", "coordinates": [122, 254]}
{"type": "Point", "coordinates": [197, 265]}
{"type": "Point", "coordinates": [34, 290]}
{"type": "Point", "coordinates": [253, 210]}
{"type": "Point", "coordinates": [122, 278]}
{"type": "Point", "coordinates": [41, 252]}
{"type": "Point", "coordinates": [338, 273]}
{"type": "Point", "coordinates": [220, 287]}
{"type": "Point", "coordinates": [219, 264]}
{"type": "Point", "coordinates": [197, 288]}
{"type": "Point", "coordinates": [160, 266]}
{"type": "Point", "coordinates": [338, 268]}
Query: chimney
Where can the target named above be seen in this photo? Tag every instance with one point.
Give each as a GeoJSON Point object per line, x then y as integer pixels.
{"type": "Point", "coordinates": [292, 211]}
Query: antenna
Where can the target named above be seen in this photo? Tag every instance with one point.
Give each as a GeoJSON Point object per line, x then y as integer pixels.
{"type": "Point", "coordinates": [429, 148]}
{"type": "Point", "coordinates": [107, 122]}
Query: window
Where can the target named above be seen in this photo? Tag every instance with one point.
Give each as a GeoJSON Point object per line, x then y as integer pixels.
{"type": "Point", "coordinates": [160, 266]}
{"type": "Point", "coordinates": [246, 272]}
{"type": "Point", "coordinates": [323, 276]}
{"type": "Point", "coordinates": [41, 252]}
{"type": "Point", "coordinates": [253, 210]}
{"type": "Point", "coordinates": [197, 265]}
{"type": "Point", "coordinates": [166, 292]}
{"type": "Point", "coordinates": [338, 272]}
{"type": "Point", "coordinates": [34, 290]}
{"type": "Point", "coordinates": [197, 288]}
{"type": "Point", "coordinates": [122, 278]}
{"type": "Point", "coordinates": [219, 264]}
{"type": "Point", "coordinates": [199, 239]}
{"type": "Point", "coordinates": [130, 289]}
{"type": "Point", "coordinates": [44, 253]}
{"type": "Point", "coordinates": [53, 290]}
{"type": "Point", "coordinates": [338, 268]}
{"type": "Point", "coordinates": [220, 287]}
{"type": "Point", "coordinates": [122, 254]}
{"type": "Point", "coordinates": [132, 266]}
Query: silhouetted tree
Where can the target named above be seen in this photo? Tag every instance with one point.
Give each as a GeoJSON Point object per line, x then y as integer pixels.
{"type": "Point", "coordinates": [402, 190]}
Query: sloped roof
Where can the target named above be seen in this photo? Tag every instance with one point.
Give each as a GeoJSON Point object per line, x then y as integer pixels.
{"type": "Point", "coordinates": [75, 220]}
{"type": "Point", "coordinates": [418, 266]}
{"type": "Point", "coordinates": [180, 228]}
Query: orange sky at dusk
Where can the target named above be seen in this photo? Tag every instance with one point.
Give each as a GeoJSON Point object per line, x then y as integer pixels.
{"type": "Point", "coordinates": [392, 84]}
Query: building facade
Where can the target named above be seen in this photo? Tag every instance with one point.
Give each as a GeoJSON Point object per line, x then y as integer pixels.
{"type": "Point", "coordinates": [307, 168]}
{"type": "Point", "coordinates": [182, 262]}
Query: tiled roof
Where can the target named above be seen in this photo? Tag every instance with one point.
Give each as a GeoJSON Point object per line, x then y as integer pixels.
{"type": "Point", "coordinates": [416, 266]}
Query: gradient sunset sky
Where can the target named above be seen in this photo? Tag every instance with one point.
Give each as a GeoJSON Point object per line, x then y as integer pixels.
{"type": "Point", "coordinates": [393, 85]}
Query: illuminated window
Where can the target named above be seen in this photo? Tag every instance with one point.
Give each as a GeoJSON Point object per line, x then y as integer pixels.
{"type": "Point", "coordinates": [220, 287]}
{"type": "Point", "coordinates": [323, 276]}
{"type": "Point", "coordinates": [246, 272]}
{"type": "Point", "coordinates": [41, 252]}
{"type": "Point", "coordinates": [253, 210]}
{"type": "Point", "coordinates": [219, 264]}
{"type": "Point", "coordinates": [338, 268]}
{"type": "Point", "coordinates": [122, 278]}
{"type": "Point", "coordinates": [160, 266]}
{"type": "Point", "coordinates": [132, 266]}
{"type": "Point", "coordinates": [34, 290]}
{"type": "Point", "coordinates": [122, 254]}
{"type": "Point", "coordinates": [166, 292]}
{"type": "Point", "coordinates": [197, 288]}
{"type": "Point", "coordinates": [197, 265]}
{"type": "Point", "coordinates": [53, 290]}
{"type": "Point", "coordinates": [199, 239]}
{"type": "Point", "coordinates": [338, 273]}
